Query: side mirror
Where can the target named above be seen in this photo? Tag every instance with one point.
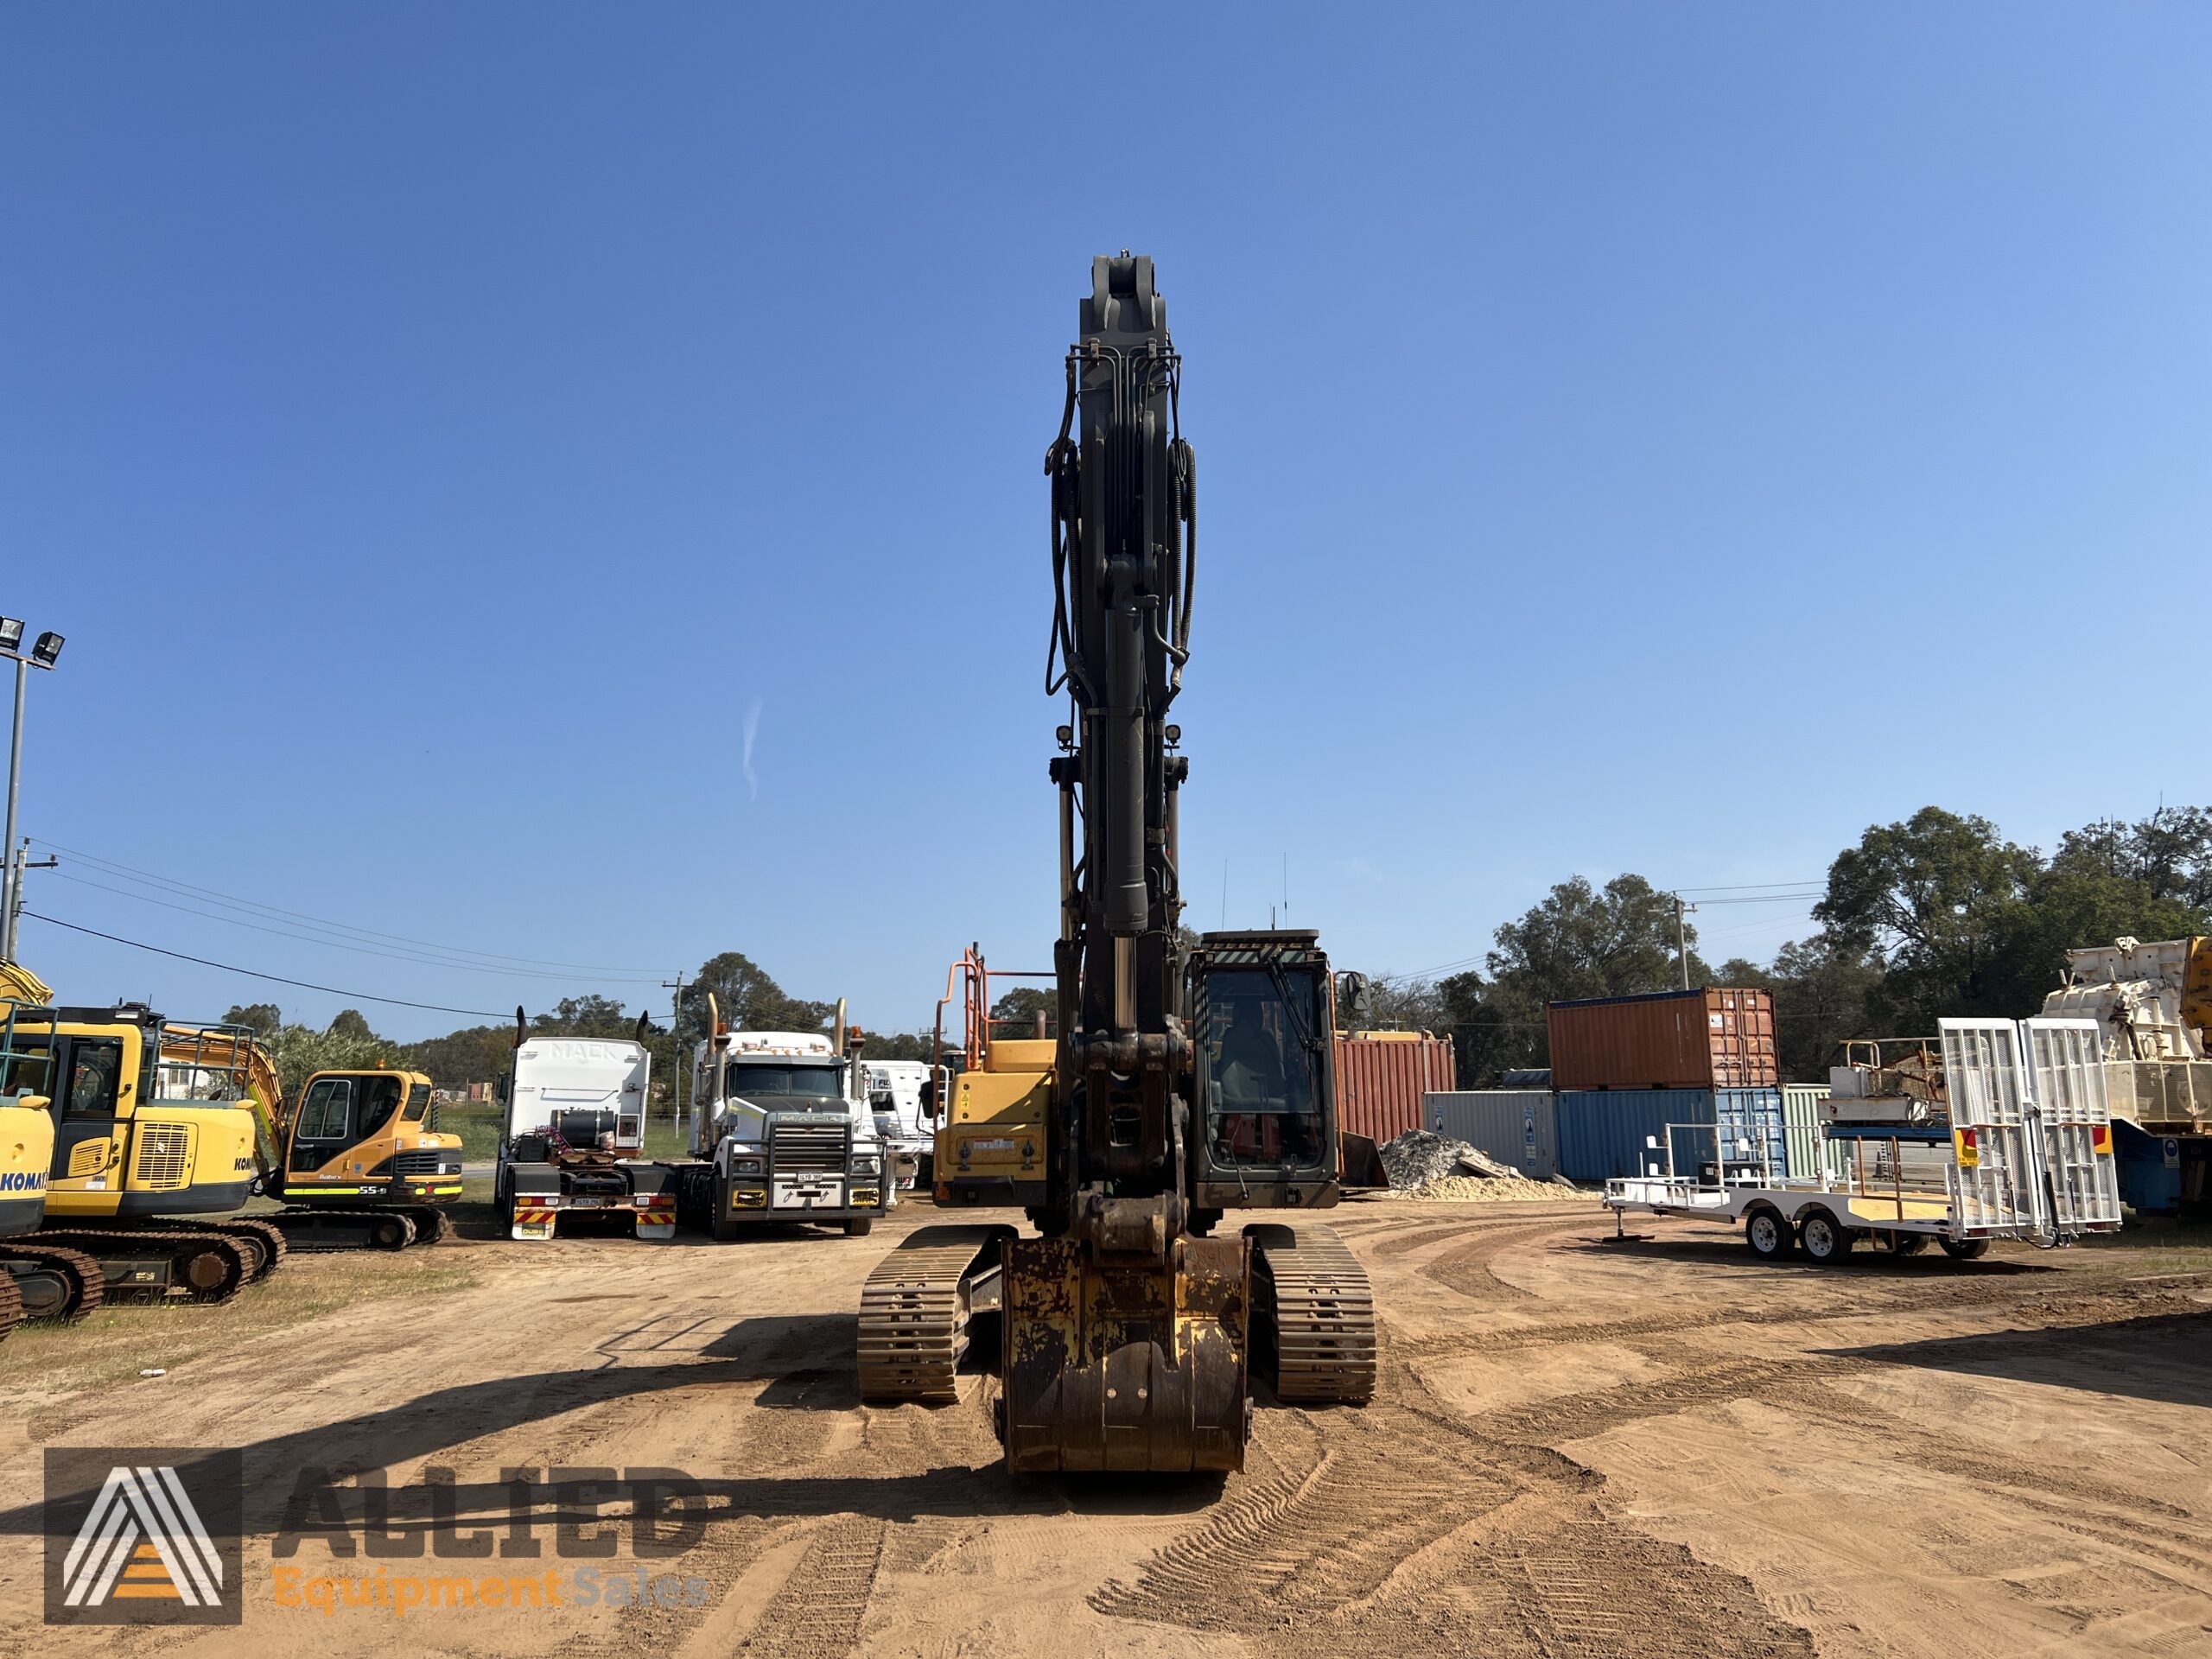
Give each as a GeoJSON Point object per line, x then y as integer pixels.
{"type": "Point", "coordinates": [506, 1078]}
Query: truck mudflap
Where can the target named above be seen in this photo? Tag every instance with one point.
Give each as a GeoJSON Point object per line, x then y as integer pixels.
{"type": "Point", "coordinates": [1126, 1363]}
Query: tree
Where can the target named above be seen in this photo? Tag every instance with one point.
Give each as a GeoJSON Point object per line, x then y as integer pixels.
{"type": "Point", "coordinates": [1016, 1014]}
{"type": "Point", "coordinates": [300, 1052]}
{"type": "Point", "coordinates": [747, 998]}
{"type": "Point", "coordinates": [2169, 854]}
{"type": "Point", "coordinates": [590, 1016]}
{"type": "Point", "coordinates": [1580, 941]}
{"type": "Point", "coordinates": [1928, 897]}
{"type": "Point", "coordinates": [351, 1024]}
{"type": "Point", "coordinates": [261, 1017]}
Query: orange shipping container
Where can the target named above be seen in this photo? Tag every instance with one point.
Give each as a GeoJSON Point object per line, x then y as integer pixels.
{"type": "Point", "coordinates": [1716, 1038]}
{"type": "Point", "coordinates": [1381, 1077]}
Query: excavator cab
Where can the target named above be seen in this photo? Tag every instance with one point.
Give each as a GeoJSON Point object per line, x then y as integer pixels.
{"type": "Point", "coordinates": [365, 1136]}
{"type": "Point", "coordinates": [1263, 1081]}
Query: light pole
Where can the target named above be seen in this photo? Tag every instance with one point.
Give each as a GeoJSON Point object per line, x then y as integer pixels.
{"type": "Point", "coordinates": [43, 652]}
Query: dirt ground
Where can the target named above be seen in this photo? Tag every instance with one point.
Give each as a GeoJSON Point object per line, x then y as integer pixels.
{"type": "Point", "coordinates": [1663, 1448]}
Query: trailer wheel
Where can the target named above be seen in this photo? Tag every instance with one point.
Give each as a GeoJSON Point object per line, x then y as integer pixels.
{"type": "Point", "coordinates": [1823, 1238]}
{"type": "Point", "coordinates": [725, 1217]}
{"type": "Point", "coordinates": [1965, 1250]}
{"type": "Point", "coordinates": [858, 1226]}
{"type": "Point", "coordinates": [1908, 1243]}
{"type": "Point", "coordinates": [1767, 1233]}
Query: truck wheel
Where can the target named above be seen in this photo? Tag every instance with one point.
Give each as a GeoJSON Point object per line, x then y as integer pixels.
{"type": "Point", "coordinates": [859, 1226]}
{"type": "Point", "coordinates": [1767, 1233]}
{"type": "Point", "coordinates": [725, 1217]}
{"type": "Point", "coordinates": [926, 1172]}
{"type": "Point", "coordinates": [1823, 1238]}
{"type": "Point", "coordinates": [1965, 1250]}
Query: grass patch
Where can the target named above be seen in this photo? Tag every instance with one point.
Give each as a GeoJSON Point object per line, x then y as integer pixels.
{"type": "Point", "coordinates": [113, 1344]}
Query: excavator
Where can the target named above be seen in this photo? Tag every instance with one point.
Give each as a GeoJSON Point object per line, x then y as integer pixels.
{"type": "Point", "coordinates": [355, 1161]}
{"type": "Point", "coordinates": [1182, 1081]}
{"type": "Point", "coordinates": [36, 1281]}
{"type": "Point", "coordinates": [127, 1160]}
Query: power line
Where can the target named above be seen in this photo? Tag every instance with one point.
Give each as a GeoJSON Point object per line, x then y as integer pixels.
{"type": "Point", "coordinates": [346, 944]}
{"type": "Point", "coordinates": [255, 973]}
{"type": "Point", "coordinates": [235, 901]}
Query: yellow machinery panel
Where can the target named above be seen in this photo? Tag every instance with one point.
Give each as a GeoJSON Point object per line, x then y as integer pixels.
{"type": "Point", "coordinates": [995, 1131]}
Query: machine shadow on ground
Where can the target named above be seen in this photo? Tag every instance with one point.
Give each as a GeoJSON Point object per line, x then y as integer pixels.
{"type": "Point", "coordinates": [2160, 1357]}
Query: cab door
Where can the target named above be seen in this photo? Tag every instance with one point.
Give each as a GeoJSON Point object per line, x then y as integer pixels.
{"type": "Point", "coordinates": [87, 1135]}
{"type": "Point", "coordinates": [324, 1128]}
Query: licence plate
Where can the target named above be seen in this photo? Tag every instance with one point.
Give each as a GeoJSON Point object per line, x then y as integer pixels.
{"type": "Point", "coordinates": [810, 1195]}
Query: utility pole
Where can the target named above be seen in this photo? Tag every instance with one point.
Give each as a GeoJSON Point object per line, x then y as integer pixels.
{"type": "Point", "coordinates": [675, 1030]}
{"type": "Point", "coordinates": [1681, 949]}
{"type": "Point", "coordinates": [21, 861]}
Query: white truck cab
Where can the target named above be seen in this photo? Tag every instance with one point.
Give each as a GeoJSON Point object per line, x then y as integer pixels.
{"type": "Point", "coordinates": [788, 1135]}
{"type": "Point", "coordinates": [895, 1092]}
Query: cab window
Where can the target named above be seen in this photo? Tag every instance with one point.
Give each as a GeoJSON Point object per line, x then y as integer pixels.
{"type": "Point", "coordinates": [95, 1068]}
{"type": "Point", "coordinates": [26, 1069]}
{"type": "Point", "coordinates": [379, 1100]}
{"type": "Point", "coordinates": [418, 1101]}
{"type": "Point", "coordinates": [329, 1103]}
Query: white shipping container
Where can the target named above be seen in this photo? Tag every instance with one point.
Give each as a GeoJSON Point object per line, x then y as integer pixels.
{"type": "Point", "coordinates": [1518, 1127]}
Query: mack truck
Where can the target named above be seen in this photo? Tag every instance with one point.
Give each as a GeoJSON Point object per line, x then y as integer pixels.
{"type": "Point", "coordinates": [573, 1142]}
{"type": "Point", "coordinates": [785, 1133]}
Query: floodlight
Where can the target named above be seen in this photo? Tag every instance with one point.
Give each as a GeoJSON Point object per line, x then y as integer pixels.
{"type": "Point", "coordinates": [47, 648]}
{"type": "Point", "coordinates": [11, 633]}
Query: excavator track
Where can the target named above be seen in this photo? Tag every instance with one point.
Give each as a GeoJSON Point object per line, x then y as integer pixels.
{"type": "Point", "coordinates": [431, 1225]}
{"type": "Point", "coordinates": [11, 1305]}
{"type": "Point", "coordinates": [259, 1234]}
{"type": "Point", "coordinates": [146, 1266]}
{"type": "Point", "coordinates": [1313, 1316]}
{"type": "Point", "coordinates": [315, 1231]}
{"type": "Point", "coordinates": [63, 1284]}
{"type": "Point", "coordinates": [915, 1313]}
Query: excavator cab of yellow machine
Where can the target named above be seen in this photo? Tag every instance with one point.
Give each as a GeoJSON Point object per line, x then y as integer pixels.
{"type": "Point", "coordinates": [367, 1134]}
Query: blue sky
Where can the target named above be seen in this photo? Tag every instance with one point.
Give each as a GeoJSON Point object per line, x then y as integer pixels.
{"type": "Point", "coordinates": [1630, 437]}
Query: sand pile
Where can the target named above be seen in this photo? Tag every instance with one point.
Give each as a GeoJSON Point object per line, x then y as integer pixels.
{"type": "Point", "coordinates": [1494, 1188]}
{"type": "Point", "coordinates": [1421, 1165]}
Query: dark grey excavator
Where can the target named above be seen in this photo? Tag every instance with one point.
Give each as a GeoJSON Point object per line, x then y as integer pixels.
{"type": "Point", "coordinates": [1187, 1080]}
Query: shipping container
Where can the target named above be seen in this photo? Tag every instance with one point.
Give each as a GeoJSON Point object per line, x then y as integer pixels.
{"type": "Point", "coordinates": [1716, 1038]}
{"type": "Point", "coordinates": [1801, 1121]}
{"type": "Point", "coordinates": [1515, 1126]}
{"type": "Point", "coordinates": [1381, 1077]}
{"type": "Point", "coordinates": [1603, 1133]}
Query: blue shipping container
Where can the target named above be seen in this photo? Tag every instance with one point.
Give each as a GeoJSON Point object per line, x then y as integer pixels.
{"type": "Point", "coordinates": [1603, 1132]}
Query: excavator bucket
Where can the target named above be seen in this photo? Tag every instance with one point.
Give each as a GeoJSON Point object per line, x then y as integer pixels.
{"type": "Point", "coordinates": [1126, 1363]}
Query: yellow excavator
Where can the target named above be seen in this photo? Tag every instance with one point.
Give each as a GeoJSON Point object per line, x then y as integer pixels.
{"type": "Point", "coordinates": [144, 1185]}
{"type": "Point", "coordinates": [1182, 1082]}
{"type": "Point", "coordinates": [354, 1160]}
{"type": "Point", "coordinates": [36, 1281]}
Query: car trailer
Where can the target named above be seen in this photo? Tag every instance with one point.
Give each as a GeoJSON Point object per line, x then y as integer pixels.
{"type": "Point", "coordinates": [2026, 1152]}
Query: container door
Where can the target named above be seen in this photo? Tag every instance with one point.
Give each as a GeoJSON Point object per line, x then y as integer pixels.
{"type": "Point", "coordinates": [1998, 1178]}
{"type": "Point", "coordinates": [2067, 1063]}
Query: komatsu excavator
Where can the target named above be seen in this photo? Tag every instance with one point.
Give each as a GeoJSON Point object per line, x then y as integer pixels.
{"type": "Point", "coordinates": [1182, 1084]}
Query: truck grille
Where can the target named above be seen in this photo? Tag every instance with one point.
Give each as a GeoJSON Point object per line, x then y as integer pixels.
{"type": "Point", "coordinates": [162, 1154]}
{"type": "Point", "coordinates": [793, 1148]}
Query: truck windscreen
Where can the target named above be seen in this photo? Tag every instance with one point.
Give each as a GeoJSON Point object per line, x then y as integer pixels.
{"type": "Point", "coordinates": [800, 1088]}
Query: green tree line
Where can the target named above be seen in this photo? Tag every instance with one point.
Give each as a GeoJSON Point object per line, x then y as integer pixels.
{"type": "Point", "coordinates": [746, 997]}
{"type": "Point", "coordinates": [1938, 915]}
